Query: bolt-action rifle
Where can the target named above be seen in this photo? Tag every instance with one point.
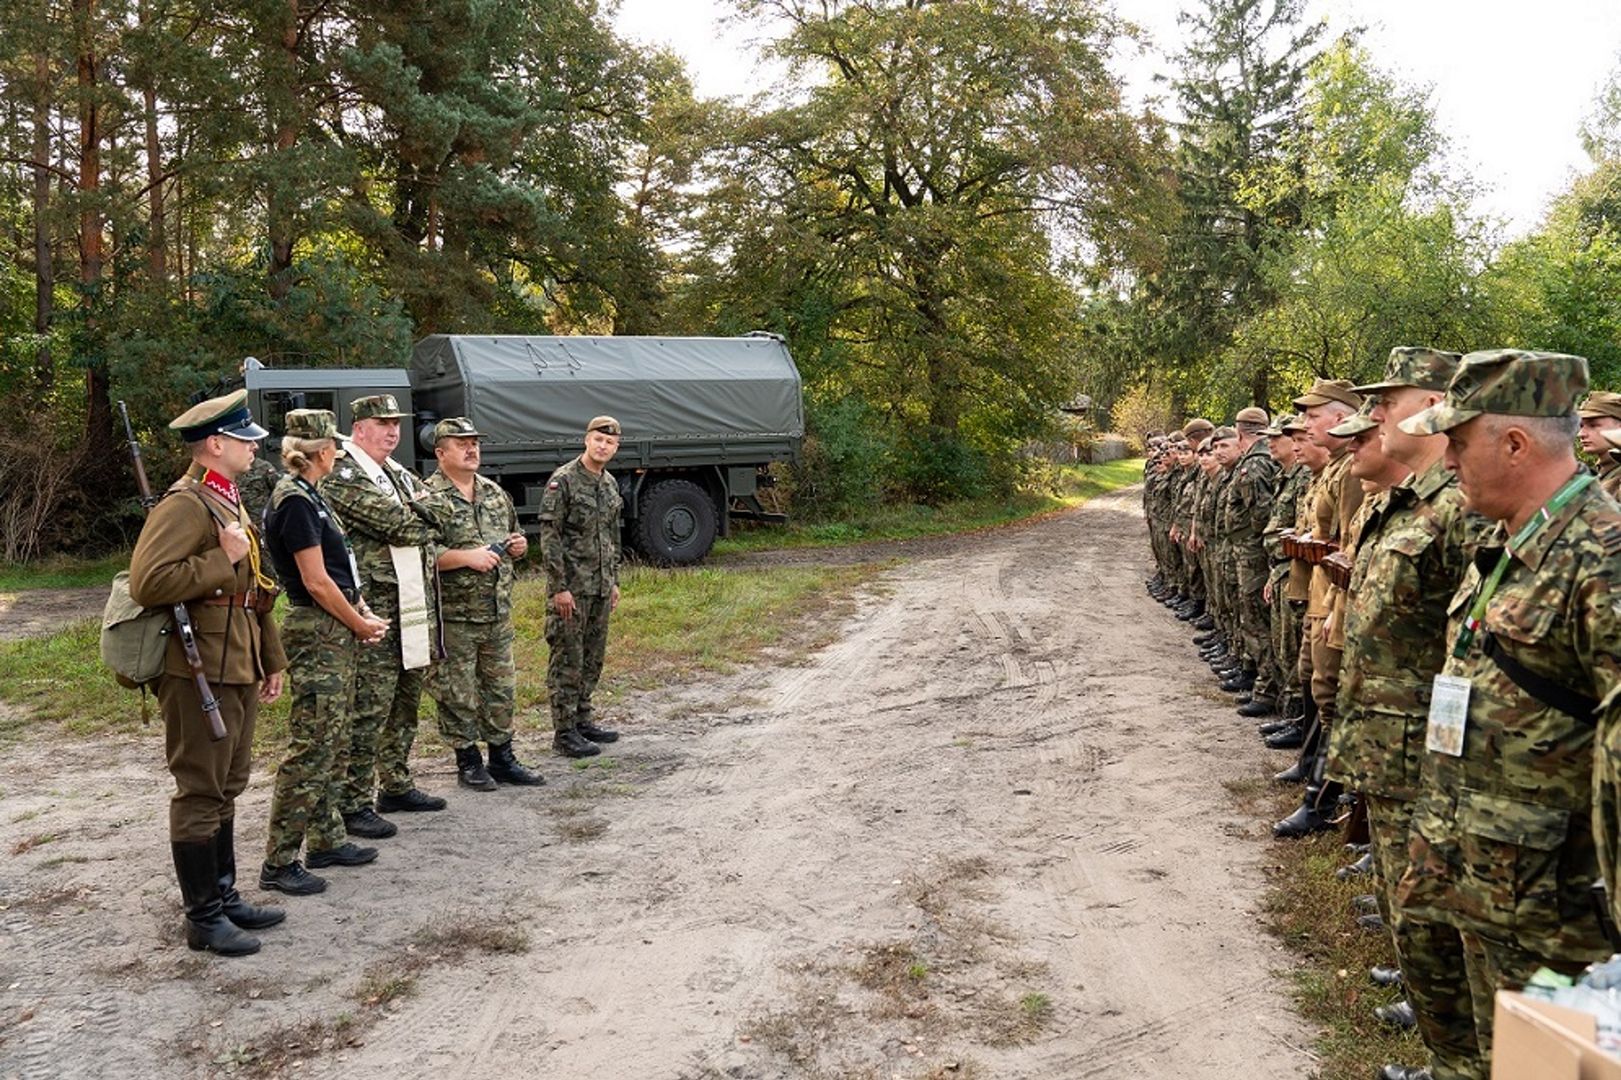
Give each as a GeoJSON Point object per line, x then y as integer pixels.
{"type": "Point", "coordinates": [182, 617]}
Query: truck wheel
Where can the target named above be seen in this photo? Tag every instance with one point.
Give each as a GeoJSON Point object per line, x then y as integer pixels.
{"type": "Point", "coordinates": [676, 523]}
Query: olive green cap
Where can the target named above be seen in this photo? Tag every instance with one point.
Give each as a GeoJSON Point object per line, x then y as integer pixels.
{"type": "Point", "coordinates": [1324, 391]}
{"type": "Point", "coordinates": [455, 427]}
{"type": "Point", "coordinates": [1198, 427]}
{"type": "Point", "coordinates": [1222, 434]}
{"type": "Point", "coordinates": [1293, 425]}
{"type": "Point", "coordinates": [1357, 424]}
{"type": "Point", "coordinates": [376, 407]}
{"type": "Point", "coordinates": [1252, 415]}
{"type": "Point", "coordinates": [1600, 403]}
{"type": "Point", "coordinates": [224, 415]}
{"type": "Point", "coordinates": [1507, 382]}
{"type": "Point", "coordinates": [311, 424]}
{"type": "Point", "coordinates": [1426, 369]}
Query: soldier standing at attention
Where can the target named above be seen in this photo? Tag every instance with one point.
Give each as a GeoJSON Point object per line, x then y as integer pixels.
{"type": "Point", "coordinates": [474, 685]}
{"type": "Point", "coordinates": [1413, 549]}
{"type": "Point", "coordinates": [1247, 510]}
{"type": "Point", "coordinates": [1503, 843]}
{"type": "Point", "coordinates": [1601, 424]}
{"type": "Point", "coordinates": [326, 623]}
{"type": "Point", "coordinates": [579, 544]}
{"type": "Point", "coordinates": [393, 522]}
{"type": "Point", "coordinates": [198, 548]}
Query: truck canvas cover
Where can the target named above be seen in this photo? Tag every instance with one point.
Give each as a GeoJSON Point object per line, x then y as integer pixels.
{"type": "Point", "coordinates": [543, 390]}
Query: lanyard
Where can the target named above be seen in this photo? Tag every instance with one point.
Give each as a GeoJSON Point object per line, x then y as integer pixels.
{"type": "Point", "coordinates": [1477, 611]}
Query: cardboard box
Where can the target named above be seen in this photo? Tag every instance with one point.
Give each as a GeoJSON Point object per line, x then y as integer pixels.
{"type": "Point", "coordinates": [1534, 1040]}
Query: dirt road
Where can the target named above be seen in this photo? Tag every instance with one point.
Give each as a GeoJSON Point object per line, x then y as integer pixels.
{"type": "Point", "coordinates": [982, 835]}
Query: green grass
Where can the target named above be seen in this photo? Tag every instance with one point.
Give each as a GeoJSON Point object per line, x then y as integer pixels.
{"type": "Point", "coordinates": [672, 624]}
{"type": "Point", "coordinates": [905, 521]}
{"type": "Point", "coordinates": [62, 572]}
{"type": "Point", "coordinates": [1310, 911]}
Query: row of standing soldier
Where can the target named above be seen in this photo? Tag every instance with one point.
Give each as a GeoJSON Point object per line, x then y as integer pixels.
{"type": "Point", "coordinates": [1437, 577]}
{"type": "Point", "coordinates": [394, 585]}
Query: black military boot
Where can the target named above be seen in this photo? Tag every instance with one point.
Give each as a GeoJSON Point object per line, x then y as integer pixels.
{"type": "Point", "coordinates": [571, 743]}
{"type": "Point", "coordinates": [1399, 1015]}
{"type": "Point", "coordinates": [409, 801]}
{"type": "Point", "coordinates": [1405, 1072]}
{"type": "Point", "coordinates": [1272, 727]}
{"type": "Point", "coordinates": [1363, 865]}
{"type": "Point", "coordinates": [594, 733]}
{"type": "Point", "coordinates": [365, 823]}
{"type": "Point", "coordinates": [238, 910]}
{"type": "Point", "coordinates": [347, 853]}
{"type": "Point", "coordinates": [1209, 637]}
{"type": "Point", "coordinates": [470, 770]}
{"type": "Point", "coordinates": [1190, 612]}
{"type": "Point", "coordinates": [1289, 738]}
{"type": "Point", "coordinates": [1385, 975]}
{"type": "Point", "coordinates": [505, 767]}
{"type": "Point", "coordinates": [1294, 774]}
{"type": "Point", "coordinates": [1308, 818]}
{"type": "Point", "coordinates": [1257, 707]}
{"type": "Point", "coordinates": [1243, 680]}
{"type": "Point", "coordinates": [1204, 622]}
{"type": "Point", "coordinates": [206, 924]}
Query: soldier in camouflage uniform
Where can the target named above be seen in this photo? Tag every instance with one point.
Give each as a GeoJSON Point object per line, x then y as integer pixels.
{"type": "Point", "coordinates": [1503, 842]}
{"type": "Point", "coordinates": [1601, 426]}
{"type": "Point", "coordinates": [1246, 508]}
{"type": "Point", "coordinates": [1283, 614]}
{"type": "Point", "coordinates": [1330, 508]}
{"type": "Point", "coordinates": [1411, 550]}
{"type": "Point", "coordinates": [579, 544]}
{"type": "Point", "coordinates": [474, 685]}
{"type": "Point", "coordinates": [1219, 589]}
{"type": "Point", "coordinates": [393, 522]}
{"type": "Point", "coordinates": [1191, 600]}
{"type": "Point", "coordinates": [325, 625]}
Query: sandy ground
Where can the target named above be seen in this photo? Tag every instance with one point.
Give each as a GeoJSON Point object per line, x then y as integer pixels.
{"type": "Point", "coordinates": [33, 612]}
{"type": "Point", "coordinates": [983, 834]}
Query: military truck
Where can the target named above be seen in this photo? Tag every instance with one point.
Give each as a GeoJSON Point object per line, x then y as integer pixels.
{"type": "Point", "coordinates": [703, 419]}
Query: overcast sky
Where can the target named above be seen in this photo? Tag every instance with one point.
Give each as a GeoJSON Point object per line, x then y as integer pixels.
{"type": "Point", "coordinates": [1511, 82]}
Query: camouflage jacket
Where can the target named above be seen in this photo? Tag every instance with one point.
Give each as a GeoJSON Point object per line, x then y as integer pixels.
{"type": "Point", "coordinates": [1288, 488]}
{"type": "Point", "coordinates": [579, 531]}
{"type": "Point", "coordinates": [466, 594]}
{"type": "Point", "coordinates": [1503, 837]}
{"type": "Point", "coordinates": [1183, 496]}
{"type": "Point", "coordinates": [1413, 548]}
{"type": "Point", "coordinates": [374, 520]}
{"type": "Point", "coordinates": [1207, 509]}
{"type": "Point", "coordinates": [1246, 510]}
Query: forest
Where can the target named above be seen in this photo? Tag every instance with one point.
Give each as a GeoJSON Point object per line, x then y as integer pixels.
{"type": "Point", "coordinates": [950, 208]}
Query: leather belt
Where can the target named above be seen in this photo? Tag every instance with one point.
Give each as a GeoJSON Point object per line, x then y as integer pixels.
{"type": "Point", "coordinates": [257, 600]}
{"type": "Point", "coordinates": [351, 595]}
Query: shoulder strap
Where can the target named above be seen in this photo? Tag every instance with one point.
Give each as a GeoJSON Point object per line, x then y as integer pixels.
{"type": "Point", "coordinates": [1550, 693]}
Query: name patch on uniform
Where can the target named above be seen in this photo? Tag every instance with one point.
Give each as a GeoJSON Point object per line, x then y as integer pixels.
{"type": "Point", "coordinates": [1449, 714]}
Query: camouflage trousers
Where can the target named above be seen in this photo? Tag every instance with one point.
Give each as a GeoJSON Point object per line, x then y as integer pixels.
{"type": "Point", "coordinates": [1429, 953]}
{"type": "Point", "coordinates": [321, 654]}
{"type": "Point", "coordinates": [1255, 624]}
{"type": "Point", "coordinates": [383, 723]}
{"type": "Point", "coordinates": [1494, 965]}
{"type": "Point", "coordinates": [208, 775]}
{"type": "Point", "coordinates": [1286, 615]}
{"type": "Point", "coordinates": [1190, 575]}
{"type": "Point", "coordinates": [474, 685]}
{"type": "Point", "coordinates": [578, 646]}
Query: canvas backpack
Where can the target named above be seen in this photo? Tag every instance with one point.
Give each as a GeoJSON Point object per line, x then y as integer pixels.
{"type": "Point", "coordinates": [134, 639]}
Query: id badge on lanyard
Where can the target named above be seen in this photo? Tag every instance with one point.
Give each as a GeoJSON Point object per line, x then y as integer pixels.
{"type": "Point", "coordinates": [1449, 715]}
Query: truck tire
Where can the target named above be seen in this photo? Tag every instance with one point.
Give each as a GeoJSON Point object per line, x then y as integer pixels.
{"type": "Point", "coordinates": [676, 523]}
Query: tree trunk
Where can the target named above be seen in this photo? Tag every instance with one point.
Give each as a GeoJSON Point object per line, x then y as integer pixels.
{"type": "Point", "coordinates": [44, 264]}
{"type": "Point", "coordinates": [284, 111]}
{"type": "Point", "coordinates": [98, 417]}
{"type": "Point", "coordinates": [157, 255]}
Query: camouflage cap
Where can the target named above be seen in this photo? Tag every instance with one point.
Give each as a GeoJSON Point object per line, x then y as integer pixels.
{"type": "Point", "coordinates": [605, 424]}
{"type": "Point", "coordinates": [1599, 404]}
{"type": "Point", "coordinates": [376, 407]}
{"type": "Point", "coordinates": [1324, 391]}
{"type": "Point", "coordinates": [1357, 424]}
{"type": "Point", "coordinates": [1427, 369]}
{"type": "Point", "coordinates": [311, 424]}
{"type": "Point", "coordinates": [1252, 415]}
{"type": "Point", "coordinates": [1222, 434]}
{"type": "Point", "coordinates": [1294, 425]}
{"type": "Point", "coordinates": [1508, 382]}
{"type": "Point", "coordinates": [1198, 427]}
{"type": "Point", "coordinates": [224, 415]}
{"type": "Point", "coordinates": [455, 427]}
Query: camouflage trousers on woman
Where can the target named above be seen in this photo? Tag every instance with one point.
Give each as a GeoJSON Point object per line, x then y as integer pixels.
{"type": "Point", "coordinates": [321, 655]}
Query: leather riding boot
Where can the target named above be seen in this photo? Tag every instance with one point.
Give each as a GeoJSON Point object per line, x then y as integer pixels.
{"type": "Point", "coordinates": [247, 916]}
{"type": "Point", "coordinates": [1294, 774]}
{"type": "Point", "coordinates": [505, 767]}
{"type": "Point", "coordinates": [470, 771]}
{"type": "Point", "coordinates": [206, 924]}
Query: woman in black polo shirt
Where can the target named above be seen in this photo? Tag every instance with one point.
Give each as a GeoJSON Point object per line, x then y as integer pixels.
{"type": "Point", "coordinates": [326, 623]}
